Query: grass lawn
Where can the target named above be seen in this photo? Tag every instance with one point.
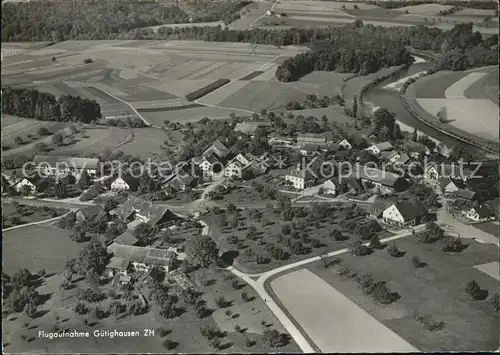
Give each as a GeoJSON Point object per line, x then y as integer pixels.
{"type": "Point", "coordinates": [489, 227]}
{"type": "Point", "coordinates": [38, 247]}
{"type": "Point", "coordinates": [27, 214]}
{"type": "Point", "coordinates": [269, 233]}
{"type": "Point", "coordinates": [435, 290]}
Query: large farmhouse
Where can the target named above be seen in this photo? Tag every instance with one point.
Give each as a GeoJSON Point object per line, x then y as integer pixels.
{"type": "Point", "coordinates": [405, 213]}
{"type": "Point", "coordinates": [144, 212]}
{"type": "Point", "coordinates": [50, 165]}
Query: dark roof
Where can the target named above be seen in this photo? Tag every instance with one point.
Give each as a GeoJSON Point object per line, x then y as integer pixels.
{"type": "Point", "coordinates": [356, 140]}
{"type": "Point", "coordinates": [90, 211]}
{"type": "Point", "coordinates": [444, 181]}
{"type": "Point", "coordinates": [118, 263]}
{"type": "Point", "coordinates": [218, 148]}
{"type": "Point", "coordinates": [127, 252]}
{"type": "Point", "coordinates": [381, 204]}
{"type": "Point", "coordinates": [131, 181]}
{"type": "Point", "coordinates": [383, 177]}
{"type": "Point", "coordinates": [484, 211]}
{"type": "Point", "coordinates": [126, 238]}
{"type": "Point", "coordinates": [158, 256]}
{"type": "Point", "coordinates": [152, 212]}
{"type": "Point", "coordinates": [411, 209]}
{"type": "Point", "coordinates": [384, 146]}
{"type": "Point", "coordinates": [403, 159]}
{"type": "Point", "coordinates": [465, 194]}
{"type": "Point", "coordinates": [251, 126]}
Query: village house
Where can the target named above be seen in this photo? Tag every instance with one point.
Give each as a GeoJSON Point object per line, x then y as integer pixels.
{"type": "Point", "coordinates": [51, 165]}
{"type": "Point", "coordinates": [144, 212]}
{"type": "Point", "coordinates": [282, 141]}
{"type": "Point", "coordinates": [180, 181]}
{"type": "Point", "coordinates": [300, 178]}
{"type": "Point", "coordinates": [310, 149]}
{"type": "Point", "coordinates": [125, 182]}
{"type": "Point", "coordinates": [466, 195]}
{"type": "Point", "coordinates": [406, 213]}
{"type": "Point", "coordinates": [344, 143]}
{"type": "Point", "coordinates": [380, 204]}
{"type": "Point", "coordinates": [480, 214]}
{"type": "Point", "coordinates": [321, 139]}
{"type": "Point", "coordinates": [235, 169]}
{"type": "Point", "coordinates": [329, 187]}
{"type": "Point", "coordinates": [402, 160]}
{"type": "Point", "coordinates": [390, 156]}
{"type": "Point", "coordinates": [250, 127]}
{"type": "Point", "coordinates": [377, 149]}
{"type": "Point", "coordinates": [128, 258]}
{"type": "Point", "coordinates": [217, 148]}
{"type": "Point", "coordinates": [385, 181]}
{"type": "Point", "coordinates": [448, 186]}
{"type": "Point", "coordinates": [30, 186]}
{"type": "Point", "coordinates": [126, 238]}
{"type": "Point", "coordinates": [456, 171]}
{"type": "Point", "coordinates": [90, 212]}
{"type": "Point", "coordinates": [209, 165]}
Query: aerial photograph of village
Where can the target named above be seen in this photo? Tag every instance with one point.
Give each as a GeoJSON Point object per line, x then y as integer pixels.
{"type": "Point", "coordinates": [250, 176]}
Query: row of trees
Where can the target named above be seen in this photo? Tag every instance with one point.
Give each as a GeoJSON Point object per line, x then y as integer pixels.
{"type": "Point", "coordinates": [396, 4]}
{"type": "Point", "coordinates": [31, 103]}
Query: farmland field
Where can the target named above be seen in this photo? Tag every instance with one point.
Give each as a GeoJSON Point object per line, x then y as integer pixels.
{"type": "Point", "coordinates": [435, 290]}
{"type": "Point", "coordinates": [465, 97]}
{"type": "Point", "coordinates": [190, 114]}
{"type": "Point", "coordinates": [33, 248]}
{"type": "Point", "coordinates": [330, 319]}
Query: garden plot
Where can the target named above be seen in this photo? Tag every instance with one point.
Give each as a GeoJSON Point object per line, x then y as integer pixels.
{"type": "Point", "coordinates": [258, 95]}
{"type": "Point", "coordinates": [492, 269]}
{"type": "Point", "coordinates": [330, 319]}
{"type": "Point", "coordinates": [478, 116]}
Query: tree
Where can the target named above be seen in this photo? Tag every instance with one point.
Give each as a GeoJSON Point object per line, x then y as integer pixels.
{"type": "Point", "coordinates": [273, 338]}
{"type": "Point", "coordinates": [359, 249]}
{"type": "Point", "coordinates": [19, 140]}
{"type": "Point", "coordinates": [495, 302]}
{"type": "Point", "coordinates": [78, 233]}
{"type": "Point", "coordinates": [203, 250]}
{"type": "Point", "coordinates": [473, 290]}
{"type": "Point", "coordinates": [84, 180]}
{"type": "Point", "coordinates": [393, 250]}
{"type": "Point", "coordinates": [58, 139]}
{"type": "Point", "coordinates": [145, 233]}
{"type": "Point", "coordinates": [417, 263]}
{"type": "Point", "coordinates": [442, 115]}
{"type": "Point", "coordinates": [355, 107]}
{"type": "Point", "coordinates": [414, 136]}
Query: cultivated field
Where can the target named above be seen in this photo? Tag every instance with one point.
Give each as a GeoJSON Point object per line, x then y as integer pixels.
{"type": "Point", "coordinates": [330, 319]}
{"type": "Point", "coordinates": [492, 269]}
{"type": "Point", "coordinates": [436, 290]}
{"type": "Point", "coordinates": [465, 97]}
{"type": "Point", "coordinates": [34, 248]}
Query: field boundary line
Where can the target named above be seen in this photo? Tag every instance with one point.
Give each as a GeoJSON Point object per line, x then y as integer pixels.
{"type": "Point", "coordinates": [35, 223]}
{"type": "Point", "coordinates": [126, 103]}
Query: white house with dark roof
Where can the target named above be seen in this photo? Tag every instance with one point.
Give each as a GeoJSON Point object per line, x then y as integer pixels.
{"type": "Point", "coordinates": [456, 171]}
{"type": "Point", "coordinates": [302, 178]}
{"type": "Point", "coordinates": [125, 182]}
{"type": "Point", "coordinates": [378, 148]}
{"type": "Point", "coordinates": [330, 187]}
{"type": "Point", "coordinates": [344, 143]}
{"type": "Point", "coordinates": [449, 186]}
{"type": "Point", "coordinates": [405, 213]}
{"type": "Point", "coordinates": [145, 212]}
{"type": "Point", "coordinates": [480, 214]}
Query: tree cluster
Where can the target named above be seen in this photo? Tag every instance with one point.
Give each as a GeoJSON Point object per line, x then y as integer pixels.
{"type": "Point", "coordinates": [19, 293]}
{"type": "Point", "coordinates": [31, 103]}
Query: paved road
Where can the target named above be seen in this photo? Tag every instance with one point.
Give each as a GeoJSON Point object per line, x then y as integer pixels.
{"type": "Point", "coordinates": [462, 229]}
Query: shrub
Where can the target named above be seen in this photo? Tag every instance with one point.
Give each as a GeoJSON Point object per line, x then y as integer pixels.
{"type": "Point", "coordinates": [359, 249]}
{"type": "Point", "coordinates": [473, 290]}
{"type": "Point", "coordinates": [417, 263]}
{"type": "Point", "coordinates": [393, 250]}
{"type": "Point", "coordinates": [87, 60]}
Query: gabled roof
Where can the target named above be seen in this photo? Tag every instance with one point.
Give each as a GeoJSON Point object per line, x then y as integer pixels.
{"type": "Point", "coordinates": [384, 146]}
{"type": "Point", "coordinates": [411, 209]}
{"type": "Point", "coordinates": [118, 263]}
{"type": "Point", "coordinates": [218, 148]}
{"type": "Point", "coordinates": [403, 159]}
{"type": "Point", "coordinates": [483, 211]}
{"type": "Point", "coordinates": [465, 194]}
{"type": "Point", "coordinates": [126, 238]}
{"type": "Point", "coordinates": [127, 252]}
{"type": "Point", "coordinates": [159, 256]}
{"type": "Point", "coordinates": [383, 177]}
{"type": "Point", "coordinates": [445, 181]}
{"type": "Point", "coordinates": [154, 212]}
{"type": "Point", "coordinates": [388, 154]}
{"type": "Point", "coordinates": [72, 162]}
{"type": "Point", "coordinates": [90, 211]}
{"type": "Point", "coordinates": [251, 126]}
{"type": "Point", "coordinates": [380, 204]}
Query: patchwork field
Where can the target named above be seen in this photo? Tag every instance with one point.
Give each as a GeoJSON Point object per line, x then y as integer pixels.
{"type": "Point", "coordinates": [435, 290]}
{"type": "Point", "coordinates": [150, 75]}
{"type": "Point", "coordinates": [330, 319]}
{"type": "Point", "coordinates": [465, 95]}
{"type": "Point", "coordinates": [322, 13]}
